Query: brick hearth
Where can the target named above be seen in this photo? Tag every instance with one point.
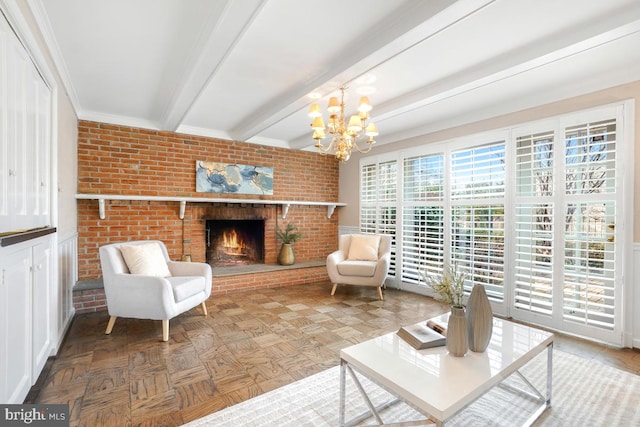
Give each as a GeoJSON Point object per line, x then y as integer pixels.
{"type": "Point", "coordinates": [88, 295]}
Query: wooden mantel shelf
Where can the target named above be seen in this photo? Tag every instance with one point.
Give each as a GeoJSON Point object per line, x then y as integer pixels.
{"type": "Point", "coordinates": [331, 206]}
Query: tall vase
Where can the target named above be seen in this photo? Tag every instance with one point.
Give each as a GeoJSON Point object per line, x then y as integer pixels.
{"type": "Point", "coordinates": [479, 319]}
{"type": "Point", "coordinates": [457, 336]}
{"type": "Point", "coordinates": [286, 256]}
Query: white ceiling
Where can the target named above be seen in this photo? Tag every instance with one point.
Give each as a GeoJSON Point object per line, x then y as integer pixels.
{"type": "Point", "coordinates": [243, 69]}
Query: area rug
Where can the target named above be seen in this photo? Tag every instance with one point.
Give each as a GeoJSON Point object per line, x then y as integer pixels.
{"type": "Point", "coordinates": [585, 393]}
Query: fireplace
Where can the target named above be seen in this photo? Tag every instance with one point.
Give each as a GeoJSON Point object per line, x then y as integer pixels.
{"type": "Point", "coordinates": [232, 242]}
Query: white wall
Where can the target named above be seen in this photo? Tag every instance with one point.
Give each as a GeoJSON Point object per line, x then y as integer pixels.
{"type": "Point", "coordinates": [67, 169]}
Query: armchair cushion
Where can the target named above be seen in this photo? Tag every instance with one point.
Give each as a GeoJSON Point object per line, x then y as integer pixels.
{"type": "Point", "coordinates": [146, 259]}
{"type": "Point", "coordinates": [363, 248]}
{"type": "Point", "coordinates": [357, 268]}
{"type": "Point", "coordinates": [186, 286]}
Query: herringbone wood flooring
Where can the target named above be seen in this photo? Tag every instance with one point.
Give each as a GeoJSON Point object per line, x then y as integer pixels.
{"type": "Point", "coordinates": [250, 343]}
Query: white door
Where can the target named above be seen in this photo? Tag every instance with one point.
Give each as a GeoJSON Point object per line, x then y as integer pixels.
{"type": "Point", "coordinates": [567, 271]}
{"type": "Point", "coordinates": [41, 307]}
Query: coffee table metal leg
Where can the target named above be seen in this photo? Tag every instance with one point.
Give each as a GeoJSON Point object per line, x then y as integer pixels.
{"type": "Point", "coordinates": [372, 408]}
{"type": "Point", "coordinates": [546, 401]}
{"type": "Point", "coordinates": [374, 411]}
{"type": "Point", "coordinates": [549, 372]}
{"type": "Point", "coordinates": [343, 368]}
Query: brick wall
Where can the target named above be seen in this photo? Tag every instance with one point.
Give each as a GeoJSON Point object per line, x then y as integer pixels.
{"type": "Point", "coordinates": [89, 300]}
{"type": "Point", "coordinates": [130, 161]}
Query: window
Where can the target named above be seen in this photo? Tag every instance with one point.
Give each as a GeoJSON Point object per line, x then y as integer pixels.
{"type": "Point", "coordinates": [378, 202]}
{"type": "Point", "coordinates": [477, 215]}
{"type": "Point", "coordinates": [589, 263]}
{"type": "Point", "coordinates": [534, 220]}
{"type": "Point", "coordinates": [422, 216]}
{"type": "Point", "coordinates": [529, 213]}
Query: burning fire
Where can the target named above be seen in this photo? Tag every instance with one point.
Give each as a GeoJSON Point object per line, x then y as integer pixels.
{"type": "Point", "coordinates": [232, 243]}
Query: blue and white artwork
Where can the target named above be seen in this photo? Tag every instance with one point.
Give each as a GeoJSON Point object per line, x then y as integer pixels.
{"type": "Point", "coordinates": [212, 177]}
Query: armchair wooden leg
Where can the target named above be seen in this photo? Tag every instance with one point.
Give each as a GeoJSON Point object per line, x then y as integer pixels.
{"type": "Point", "coordinates": [333, 290]}
{"type": "Point", "coordinates": [380, 293]}
{"type": "Point", "coordinates": [112, 321]}
{"type": "Point", "coordinates": [165, 330]}
{"type": "Point", "coordinates": [204, 308]}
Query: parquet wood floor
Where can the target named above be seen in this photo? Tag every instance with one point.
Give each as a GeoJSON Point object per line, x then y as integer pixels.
{"type": "Point", "coordinates": [250, 343]}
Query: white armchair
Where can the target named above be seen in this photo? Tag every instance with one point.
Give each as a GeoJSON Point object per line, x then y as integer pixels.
{"type": "Point", "coordinates": [160, 290]}
{"type": "Point", "coordinates": [361, 259]}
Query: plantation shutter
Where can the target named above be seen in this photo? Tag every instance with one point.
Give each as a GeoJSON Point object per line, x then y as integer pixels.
{"type": "Point", "coordinates": [589, 274]}
{"type": "Point", "coordinates": [534, 243]}
{"type": "Point", "coordinates": [387, 188]}
{"type": "Point", "coordinates": [423, 217]}
{"type": "Point", "coordinates": [477, 215]}
{"type": "Point", "coordinates": [368, 198]}
{"type": "Point", "coordinates": [378, 184]}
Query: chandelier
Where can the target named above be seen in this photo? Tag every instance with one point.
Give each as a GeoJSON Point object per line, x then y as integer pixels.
{"type": "Point", "coordinates": [343, 136]}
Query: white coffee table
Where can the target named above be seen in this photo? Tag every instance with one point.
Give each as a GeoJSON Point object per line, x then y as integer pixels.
{"type": "Point", "coordinates": [439, 385]}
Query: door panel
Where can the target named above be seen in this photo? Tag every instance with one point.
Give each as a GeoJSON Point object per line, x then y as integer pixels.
{"type": "Point", "coordinates": [566, 270]}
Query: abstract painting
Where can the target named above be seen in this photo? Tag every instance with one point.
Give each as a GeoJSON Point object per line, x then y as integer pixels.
{"type": "Point", "coordinates": [213, 177]}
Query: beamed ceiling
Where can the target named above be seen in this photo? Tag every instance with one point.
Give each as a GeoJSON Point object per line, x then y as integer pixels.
{"type": "Point", "coordinates": [243, 69]}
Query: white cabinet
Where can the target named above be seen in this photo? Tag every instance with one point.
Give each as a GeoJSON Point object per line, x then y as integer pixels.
{"type": "Point", "coordinates": [25, 317]}
{"type": "Point", "coordinates": [15, 318]}
{"type": "Point", "coordinates": [25, 138]}
{"type": "Point", "coordinates": [28, 269]}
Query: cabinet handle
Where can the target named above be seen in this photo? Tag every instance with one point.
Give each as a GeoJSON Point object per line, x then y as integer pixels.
{"type": "Point", "coordinates": [12, 172]}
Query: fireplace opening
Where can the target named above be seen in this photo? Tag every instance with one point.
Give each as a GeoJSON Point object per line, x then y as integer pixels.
{"type": "Point", "coordinates": [232, 242]}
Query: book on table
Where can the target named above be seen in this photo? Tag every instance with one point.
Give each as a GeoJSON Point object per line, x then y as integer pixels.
{"type": "Point", "coordinates": [421, 335]}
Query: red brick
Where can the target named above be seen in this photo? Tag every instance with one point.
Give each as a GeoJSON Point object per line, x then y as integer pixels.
{"type": "Point", "coordinates": [123, 160]}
